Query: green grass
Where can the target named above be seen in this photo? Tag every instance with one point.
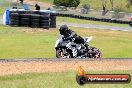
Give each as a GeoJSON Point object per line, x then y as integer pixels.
{"type": "Point", "coordinates": [74, 20]}
{"type": "Point", "coordinates": [55, 80]}
{"type": "Point", "coordinates": [97, 4]}
{"type": "Point", "coordinates": [2, 11]}
{"type": "Point", "coordinates": [16, 43]}
{"type": "Point", "coordinates": [3, 6]}
{"type": "Point", "coordinates": [25, 45]}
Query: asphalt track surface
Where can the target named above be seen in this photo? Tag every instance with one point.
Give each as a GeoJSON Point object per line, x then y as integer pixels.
{"type": "Point", "coordinates": [107, 27]}
{"type": "Point", "coordinates": [59, 59]}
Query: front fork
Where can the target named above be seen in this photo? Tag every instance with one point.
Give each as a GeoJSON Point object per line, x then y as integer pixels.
{"type": "Point", "coordinates": [74, 50]}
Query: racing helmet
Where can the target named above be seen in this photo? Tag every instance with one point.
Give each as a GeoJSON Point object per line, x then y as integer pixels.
{"type": "Point", "coordinates": [63, 29]}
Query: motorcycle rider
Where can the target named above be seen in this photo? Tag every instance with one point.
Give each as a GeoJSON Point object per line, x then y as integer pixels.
{"type": "Point", "coordinates": [71, 35]}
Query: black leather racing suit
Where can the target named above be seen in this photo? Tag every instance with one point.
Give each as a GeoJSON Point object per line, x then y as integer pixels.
{"type": "Point", "coordinates": [69, 34]}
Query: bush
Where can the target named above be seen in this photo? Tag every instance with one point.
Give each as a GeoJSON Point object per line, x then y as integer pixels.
{"type": "Point", "coordinates": [85, 8]}
{"type": "Point", "coordinates": [119, 11]}
{"type": "Point", "coordinates": [74, 3]}
{"type": "Point", "coordinates": [118, 15]}
{"type": "Point", "coordinates": [129, 4]}
{"type": "Point", "coordinates": [67, 3]}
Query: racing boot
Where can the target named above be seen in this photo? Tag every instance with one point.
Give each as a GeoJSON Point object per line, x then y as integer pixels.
{"type": "Point", "coordinates": [86, 46]}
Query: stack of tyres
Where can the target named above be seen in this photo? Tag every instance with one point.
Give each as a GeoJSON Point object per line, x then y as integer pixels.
{"type": "Point", "coordinates": [45, 20]}
{"type": "Point", "coordinates": [13, 12]}
{"type": "Point", "coordinates": [22, 12]}
{"type": "Point", "coordinates": [120, 21]}
{"type": "Point", "coordinates": [52, 20]}
{"type": "Point", "coordinates": [109, 20]}
{"type": "Point", "coordinates": [14, 20]}
{"type": "Point", "coordinates": [25, 20]}
{"type": "Point", "coordinates": [35, 20]}
{"type": "Point", "coordinates": [127, 22]}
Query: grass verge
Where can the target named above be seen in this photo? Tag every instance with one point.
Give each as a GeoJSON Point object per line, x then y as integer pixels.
{"type": "Point", "coordinates": [19, 42]}
{"type": "Point", "coordinates": [55, 80]}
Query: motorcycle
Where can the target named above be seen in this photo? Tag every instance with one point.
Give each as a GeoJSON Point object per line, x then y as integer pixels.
{"type": "Point", "coordinates": [69, 49]}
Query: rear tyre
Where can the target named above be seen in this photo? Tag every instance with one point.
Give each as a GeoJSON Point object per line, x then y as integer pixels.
{"type": "Point", "coordinates": [94, 53]}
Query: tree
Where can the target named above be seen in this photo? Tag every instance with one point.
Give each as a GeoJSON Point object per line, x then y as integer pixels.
{"type": "Point", "coordinates": [104, 6]}
{"type": "Point", "coordinates": [67, 3]}
{"type": "Point", "coordinates": [112, 4]}
{"type": "Point", "coordinates": [74, 3]}
{"type": "Point", "coordinates": [129, 3]}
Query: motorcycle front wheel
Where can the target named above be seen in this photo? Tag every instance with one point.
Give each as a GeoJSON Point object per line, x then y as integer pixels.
{"type": "Point", "coordinates": [62, 53]}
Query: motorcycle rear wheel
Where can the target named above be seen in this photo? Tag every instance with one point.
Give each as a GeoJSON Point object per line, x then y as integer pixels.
{"type": "Point", "coordinates": [94, 53]}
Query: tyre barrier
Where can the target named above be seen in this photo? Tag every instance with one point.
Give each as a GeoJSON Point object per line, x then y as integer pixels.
{"type": "Point", "coordinates": [34, 19]}
{"type": "Point", "coordinates": [25, 20]}
{"type": "Point", "coordinates": [14, 19]}
{"type": "Point", "coordinates": [93, 18]}
{"type": "Point", "coordinates": [53, 20]}
{"type": "Point", "coordinates": [45, 20]}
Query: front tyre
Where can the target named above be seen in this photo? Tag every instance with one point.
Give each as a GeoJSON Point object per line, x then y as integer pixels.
{"type": "Point", "coordinates": [62, 53]}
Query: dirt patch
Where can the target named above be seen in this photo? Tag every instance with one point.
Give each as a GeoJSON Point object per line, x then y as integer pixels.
{"type": "Point", "coordinates": [42, 4]}
{"type": "Point", "coordinates": [8, 68]}
{"type": "Point", "coordinates": [33, 2]}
